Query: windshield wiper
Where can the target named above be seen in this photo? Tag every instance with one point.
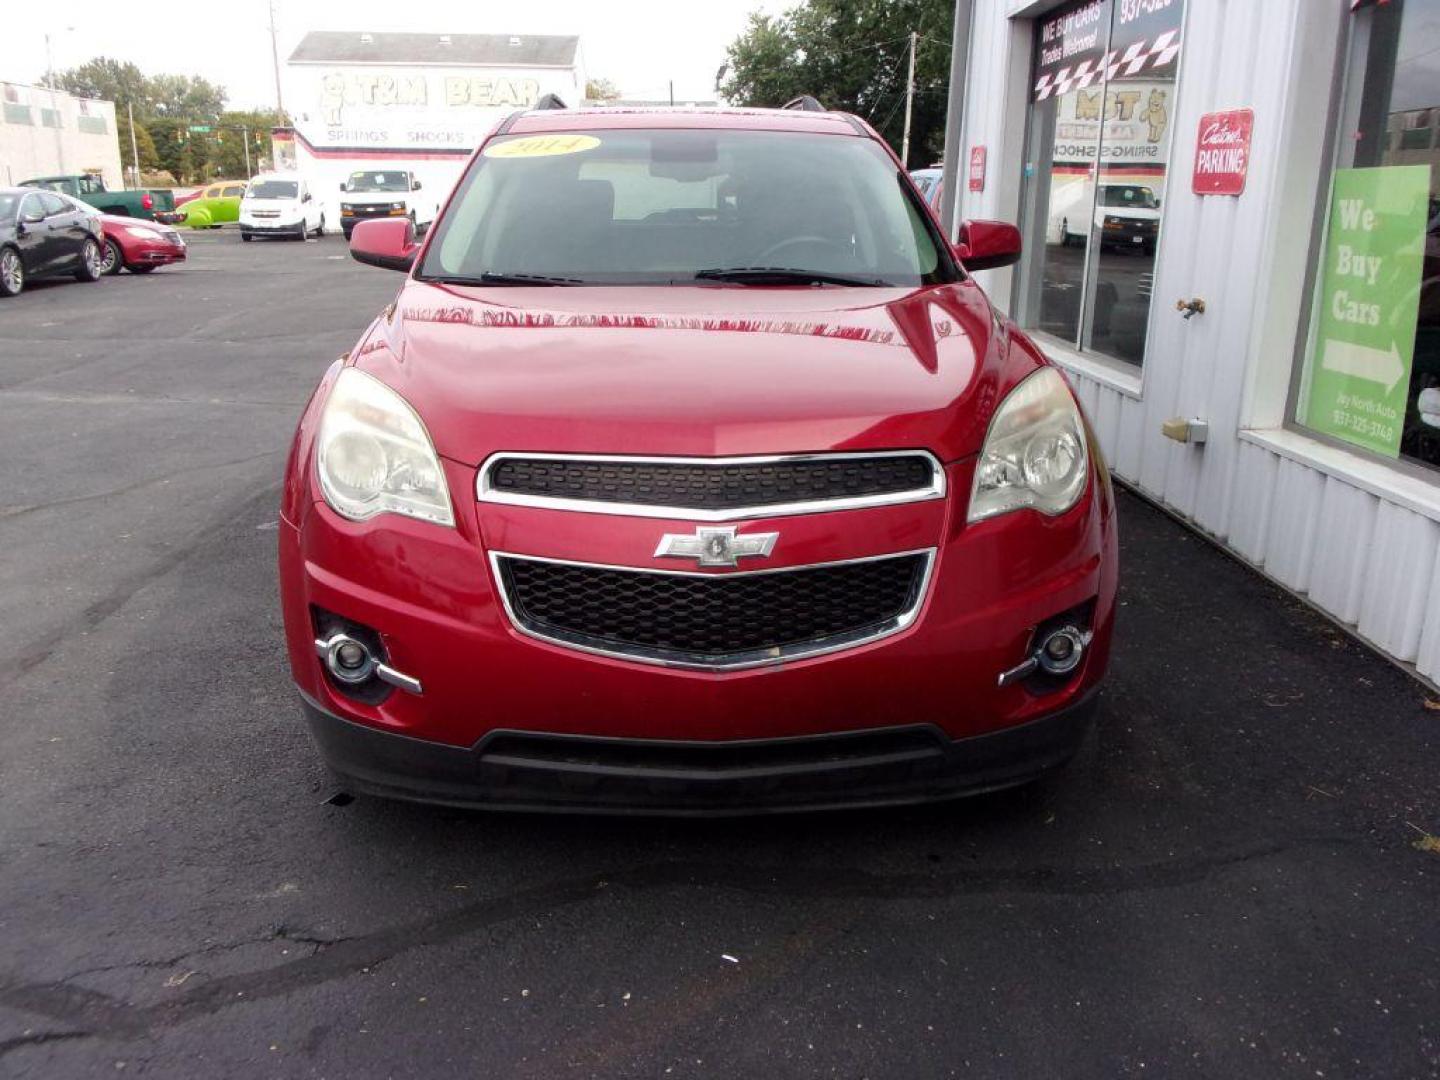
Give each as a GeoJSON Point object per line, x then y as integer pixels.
{"type": "Point", "coordinates": [489, 277]}
{"type": "Point", "coordinates": [782, 275]}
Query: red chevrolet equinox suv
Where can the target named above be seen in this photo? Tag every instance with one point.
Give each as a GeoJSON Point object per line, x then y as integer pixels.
{"type": "Point", "coordinates": [689, 472]}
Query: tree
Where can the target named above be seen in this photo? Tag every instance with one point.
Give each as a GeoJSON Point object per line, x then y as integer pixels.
{"type": "Point", "coordinates": [172, 147]}
{"type": "Point", "coordinates": [187, 96]}
{"type": "Point", "coordinates": [228, 157]}
{"type": "Point", "coordinates": [149, 159]}
{"type": "Point", "coordinates": [601, 90]}
{"type": "Point", "coordinates": [852, 55]}
{"type": "Point", "coordinates": [114, 80]}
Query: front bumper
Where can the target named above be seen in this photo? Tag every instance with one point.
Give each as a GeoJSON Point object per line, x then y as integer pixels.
{"type": "Point", "coordinates": [154, 254]}
{"type": "Point", "coordinates": [1130, 234]}
{"type": "Point", "coordinates": [430, 594]}
{"type": "Point", "coordinates": [517, 770]}
{"type": "Point", "coordinates": [289, 228]}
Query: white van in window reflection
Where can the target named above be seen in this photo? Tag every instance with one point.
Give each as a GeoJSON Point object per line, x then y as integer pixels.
{"type": "Point", "coordinates": [1127, 216]}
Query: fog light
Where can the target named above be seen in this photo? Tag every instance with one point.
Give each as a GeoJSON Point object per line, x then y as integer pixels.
{"type": "Point", "coordinates": [348, 660]}
{"type": "Point", "coordinates": [1061, 650]}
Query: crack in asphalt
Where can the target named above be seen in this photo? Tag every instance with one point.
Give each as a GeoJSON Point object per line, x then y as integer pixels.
{"type": "Point", "coordinates": [10, 513]}
{"type": "Point", "coordinates": [38, 1038]}
{"type": "Point", "coordinates": [45, 397]}
{"type": "Point", "coordinates": [40, 650]}
{"type": "Point", "coordinates": [97, 1014]}
{"type": "Point", "coordinates": [280, 933]}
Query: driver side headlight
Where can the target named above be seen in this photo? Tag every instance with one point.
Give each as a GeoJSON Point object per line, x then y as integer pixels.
{"type": "Point", "coordinates": [1035, 453]}
{"type": "Point", "coordinates": [374, 456]}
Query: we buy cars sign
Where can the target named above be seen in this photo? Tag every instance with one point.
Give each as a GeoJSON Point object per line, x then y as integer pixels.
{"type": "Point", "coordinates": [1222, 152]}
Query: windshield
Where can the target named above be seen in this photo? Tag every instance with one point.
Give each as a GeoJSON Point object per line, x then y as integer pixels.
{"type": "Point", "coordinates": [378, 181]}
{"type": "Point", "coordinates": [667, 206]}
{"type": "Point", "coordinates": [273, 189]}
{"type": "Point", "coordinates": [1140, 198]}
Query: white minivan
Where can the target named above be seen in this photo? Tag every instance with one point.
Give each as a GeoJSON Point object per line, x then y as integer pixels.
{"type": "Point", "coordinates": [280, 204]}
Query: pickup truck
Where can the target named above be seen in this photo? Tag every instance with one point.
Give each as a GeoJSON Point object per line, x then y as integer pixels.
{"type": "Point", "coordinates": [152, 204]}
{"type": "Point", "coordinates": [371, 193]}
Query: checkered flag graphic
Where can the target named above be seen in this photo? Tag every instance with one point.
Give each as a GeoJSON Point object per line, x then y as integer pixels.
{"type": "Point", "coordinates": [1136, 58]}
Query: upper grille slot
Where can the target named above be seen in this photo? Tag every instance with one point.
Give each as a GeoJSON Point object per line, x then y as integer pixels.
{"type": "Point", "coordinates": [713, 620]}
{"type": "Point", "coordinates": [711, 489]}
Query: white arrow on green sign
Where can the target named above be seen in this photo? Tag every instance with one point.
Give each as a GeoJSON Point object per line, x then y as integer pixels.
{"type": "Point", "coordinates": [1382, 366]}
{"type": "Point", "coordinates": [1369, 301]}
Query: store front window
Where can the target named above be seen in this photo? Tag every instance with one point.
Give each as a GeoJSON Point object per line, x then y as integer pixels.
{"type": "Point", "coordinates": [1097, 147]}
{"type": "Point", "coordinates": [1370, 372]}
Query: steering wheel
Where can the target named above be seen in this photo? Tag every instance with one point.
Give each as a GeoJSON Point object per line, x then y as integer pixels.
{"type": "Point", "coordinates": [794, 241]}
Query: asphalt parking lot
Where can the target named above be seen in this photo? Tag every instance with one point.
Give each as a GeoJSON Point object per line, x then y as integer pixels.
{"type": "Point", "coordinates": [1232, 879]}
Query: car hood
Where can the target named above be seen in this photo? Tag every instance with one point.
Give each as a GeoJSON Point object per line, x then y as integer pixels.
{"type": "Point", "coordinates": [115, 221]}
{"type": "Point", "coordinates": [695, 370]}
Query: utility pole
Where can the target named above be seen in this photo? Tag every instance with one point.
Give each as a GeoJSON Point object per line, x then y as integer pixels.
{"type": "Point", "coordinates": [134, 146]}
{"type": "Point", "coordinates": [672, 91]}
{"type": "Point", "coordinates": [275, 60]}
{"type": "Point", "coordinates": [954, 160]}
{"type": "Point", "coordinates": [909, 104]}
{"type": "Point", "coordinates": [245, 132]}
{"type": "Point", "coordinates": [55, 102]}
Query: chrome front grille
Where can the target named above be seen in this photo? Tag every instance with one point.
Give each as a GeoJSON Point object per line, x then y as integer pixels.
{"type": "Point", "coordinates": [711, 489]}
{"type": "Point", "coordinates": [716, 621]}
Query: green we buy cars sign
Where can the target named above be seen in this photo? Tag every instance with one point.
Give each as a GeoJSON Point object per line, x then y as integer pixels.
{"type": "Point", "coordinates": [1368, 302]}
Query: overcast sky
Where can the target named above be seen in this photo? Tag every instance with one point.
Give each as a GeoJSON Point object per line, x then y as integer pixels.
{"type": "Point", "coordinates": [638, 44]}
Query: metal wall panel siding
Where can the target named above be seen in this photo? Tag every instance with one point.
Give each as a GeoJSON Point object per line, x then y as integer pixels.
{"type": "Point", "coordinates": [1342, 548]}
{"type": "Point", "coordinates": [1399, 568]}
{"type": "Point", "coordinates": [1428, 660]}
{"type": "Point", "coordinates": [1294, 521]}
{"type": "Point", "coordinates": [1254, 483]}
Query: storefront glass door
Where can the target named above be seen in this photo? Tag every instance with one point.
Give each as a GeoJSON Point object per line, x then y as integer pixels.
{"type": "Point", "coordinates": [1098, 142]}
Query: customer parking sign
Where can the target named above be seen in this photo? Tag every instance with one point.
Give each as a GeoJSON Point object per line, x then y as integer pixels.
{"type": "Point", "coordinates": [1368, 303]}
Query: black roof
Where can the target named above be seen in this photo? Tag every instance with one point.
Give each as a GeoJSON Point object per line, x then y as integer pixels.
{"type": "Point", "coordinates": [362, 47]}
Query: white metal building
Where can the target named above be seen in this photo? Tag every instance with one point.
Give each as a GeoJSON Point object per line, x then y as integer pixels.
{"type": "Point", "coordinates": [420, 102]}
{"type": "Point", "coordinates": [46, 132]}
{"type": "Point", "coordinates": [1316, 361]}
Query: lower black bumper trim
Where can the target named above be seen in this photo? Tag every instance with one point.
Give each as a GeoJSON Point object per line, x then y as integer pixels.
{"type": "Point", "coordinates": [530, 771]}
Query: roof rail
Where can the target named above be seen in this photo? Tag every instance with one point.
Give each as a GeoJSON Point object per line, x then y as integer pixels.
{"type": "Point", "coordinates": [805, 103]}
{"type": "Point", "coordinates": [550, 101]}
{"type": "Point", "coordinates": [509, 121]}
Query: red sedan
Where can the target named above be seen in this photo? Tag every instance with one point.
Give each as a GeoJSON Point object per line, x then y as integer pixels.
{"type": "Point", "coordinates": [138, 246]}
{"type": "Point", "coordinates": [690, 472]}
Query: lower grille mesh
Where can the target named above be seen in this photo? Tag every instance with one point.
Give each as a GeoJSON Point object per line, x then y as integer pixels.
{"type": "Point", "coordinates": [709, 618]}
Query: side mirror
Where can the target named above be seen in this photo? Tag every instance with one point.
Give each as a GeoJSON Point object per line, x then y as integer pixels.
{"type": "Point", "coordinates": [305, 197]}
{"type": "Point", "coordinates": [344, 186]}
{"type": "Point", "coordinates": [414, 185]}
{"type": "Point", "coordinates": [986, 245]}
{"type": "Point", "coordinates": [388, 243]}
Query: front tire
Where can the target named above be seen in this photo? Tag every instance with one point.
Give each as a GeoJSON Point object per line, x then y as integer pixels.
{"type": "Point", "coordinates": [90, 262]}
{"type": "Point", "coordinates": [246, 237]}
{"type": "Point", "coordinates": [320, 228]}
{"type": "Point", "coordinates": [12, 272]}
{"type": "Point", "coordinates": [113, 259]}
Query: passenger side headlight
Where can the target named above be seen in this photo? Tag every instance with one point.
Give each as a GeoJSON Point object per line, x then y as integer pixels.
{"type": "Point", "coordinates": [1034, 454]}
{"type": "Point", "coordinates": [374, 455]}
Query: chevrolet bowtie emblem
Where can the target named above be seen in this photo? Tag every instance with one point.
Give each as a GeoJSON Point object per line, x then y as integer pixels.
{"type": "Point", "coordinates": [716, 546]}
